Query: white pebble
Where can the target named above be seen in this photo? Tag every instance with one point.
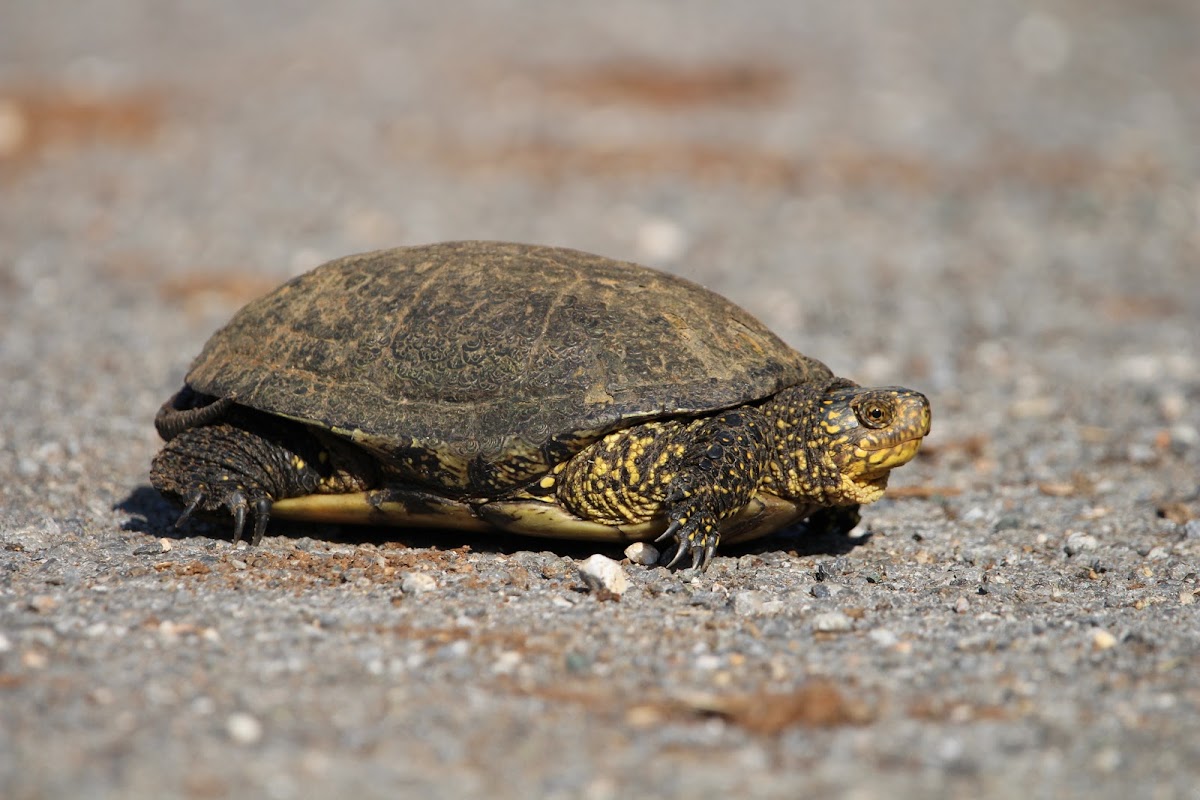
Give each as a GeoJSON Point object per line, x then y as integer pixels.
{"type": "Point", "coordinates": [883, 637]}
{"type": "Point", "coordinates": [1185, 435]}
{"type": "Point", "coordinates": [1078, 542]}
{"type": "Point", "coordinates": [417, 582]}
{"type": "Point", "coordinates": [1103, 640]}
{"type": "Point", "coordinates": [974, 514]}
{"type": "Point", "coordinates": [243, 728]}
{"type": "Point", "coordinates": [754, 603]}
{"type": "Point", "coordinates": [1172, 405]}
{"type": "Point", "coordinates": [832, 622]}
{"type": "Point", "coordinates": [602, 573]}
{"type": "Point", "coordinates": [642, 553]}
{"type": "Point", "coordinates": [507, 662]}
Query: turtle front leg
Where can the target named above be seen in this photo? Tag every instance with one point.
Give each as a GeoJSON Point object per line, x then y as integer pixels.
{"type": "Point", "coordinates": [695, 474]}
{"type": "Point", "coordinates": [245, 463]}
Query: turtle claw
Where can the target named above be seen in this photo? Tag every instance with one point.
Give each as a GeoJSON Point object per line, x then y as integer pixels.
{"type": "Point", "coordinates": [193, 502]}
{"type": "Point", "coordinates": [672, 532]}
{"type": "Point", "coordinates": [237, 504]}
{"type": "Point", "coordinates": [262, 513]}
{"type": "Point", "coordinates": [701, 547]}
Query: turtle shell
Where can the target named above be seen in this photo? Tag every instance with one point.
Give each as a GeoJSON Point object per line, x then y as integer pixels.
{"type": "Point", "coordinates": [489, 362]}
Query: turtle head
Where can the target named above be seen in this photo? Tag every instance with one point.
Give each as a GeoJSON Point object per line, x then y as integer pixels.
{"type": "Point", "coordinates": [838, 447]}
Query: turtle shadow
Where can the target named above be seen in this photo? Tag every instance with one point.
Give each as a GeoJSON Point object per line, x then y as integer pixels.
{"type": "Point", "coordinates": [802, 541]}
{"type": "Point", "coordinates": [151, 514]}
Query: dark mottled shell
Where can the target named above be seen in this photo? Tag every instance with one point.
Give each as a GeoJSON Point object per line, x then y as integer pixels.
{"type": "Point", "coordinates": [505, 358]}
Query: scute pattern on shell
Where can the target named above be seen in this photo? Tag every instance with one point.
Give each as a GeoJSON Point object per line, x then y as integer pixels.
{"type": "Point", "coordinates": [497, 359]}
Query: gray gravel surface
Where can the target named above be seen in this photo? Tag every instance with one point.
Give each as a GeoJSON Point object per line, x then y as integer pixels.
{"type": "Point", "coordinates": [997, 203]}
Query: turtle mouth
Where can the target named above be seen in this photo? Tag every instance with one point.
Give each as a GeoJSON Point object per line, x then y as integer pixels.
{"type": "Point", "coordinates": [872, 463]}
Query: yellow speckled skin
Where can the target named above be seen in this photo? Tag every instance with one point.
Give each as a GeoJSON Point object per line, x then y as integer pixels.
{"type": "Point", "coordinates": [827, 448]}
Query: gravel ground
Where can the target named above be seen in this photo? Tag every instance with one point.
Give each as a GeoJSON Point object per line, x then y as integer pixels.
{"type": "Point", "coordinates": [995, 203]}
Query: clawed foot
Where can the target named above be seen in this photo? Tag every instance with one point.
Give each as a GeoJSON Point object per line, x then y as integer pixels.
{"type": "Point", "coordinates": [239, 506]}
{"type": "Point", "coordinates": [697, 534]}
{"type": "Point", "coordinates": [221, 468]}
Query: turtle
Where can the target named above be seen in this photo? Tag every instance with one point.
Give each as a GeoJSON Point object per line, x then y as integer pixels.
{"type": "Point", "coordinates": [537, 390]}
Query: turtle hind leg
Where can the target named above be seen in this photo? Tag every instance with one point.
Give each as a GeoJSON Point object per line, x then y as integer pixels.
{"type": "Point", "coordinates": [694, 474]}
{"type": "Point", "coordinates": [244, 463]}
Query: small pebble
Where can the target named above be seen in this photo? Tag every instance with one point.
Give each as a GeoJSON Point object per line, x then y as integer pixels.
{"type": "Point", "coordinates": [5, 644]}
{"type": "Point", "coordinates": [34, 659]}
{"type": "Point", "coordinates": [417, 582]}
{"type": "Point", "coordinates": [507, 662]}
{"type": "Point", "coordinates": [1103, 640]}
{"type": "Point", "coordinates": [1185, 436]}
{"type": "Point", "coordinates": [824, 591]}
{"type": "Point", "coordinates": [577, 662]}
{"type": "Point", "coordinates": [753, 602]}
{"type": "Point", "coordinates": [43, 603]}
{"type": "Point", "coordinates": [1191, 528]}
{"type": "Point", "coordinates": [962, 605]}
{"type": "Point", "coordinates": [243, 728]}
{"type": "Point", "coordinates": [1078, 542]}
{"type": "Point", "coordinates": [832, 622]}
{"type": "Point", "coordinates": [1141, 454]}
{"type": "Point", "coordinates": [708, 599]}
{"type": "Point", "coordinates": [353, 574]}
{"type": "Point", "coordinates": [642, 553]}
{"type": "Point", "coordinates": [1007, 523]}
{"type": "Point", "coordinates": [601, 573]}
{"type": "Point", "coordinates": [556, 568]}
{"type": "Point", "coordinates": [1173, 406]}
{"type": "Point", "coordinates": [884, 637]}
{"type": "Point", "coordinates": [830, 568]}
{"type": "Point", "coordinates": [102, 696]}
{"type": "Point", "coordinates": [974, 514]}
{"type": "Point", "coordinates": [149, 549]}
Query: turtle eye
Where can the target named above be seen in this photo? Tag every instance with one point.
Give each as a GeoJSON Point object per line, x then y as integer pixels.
{"type": "Point", "coordinates": [873, 413]}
